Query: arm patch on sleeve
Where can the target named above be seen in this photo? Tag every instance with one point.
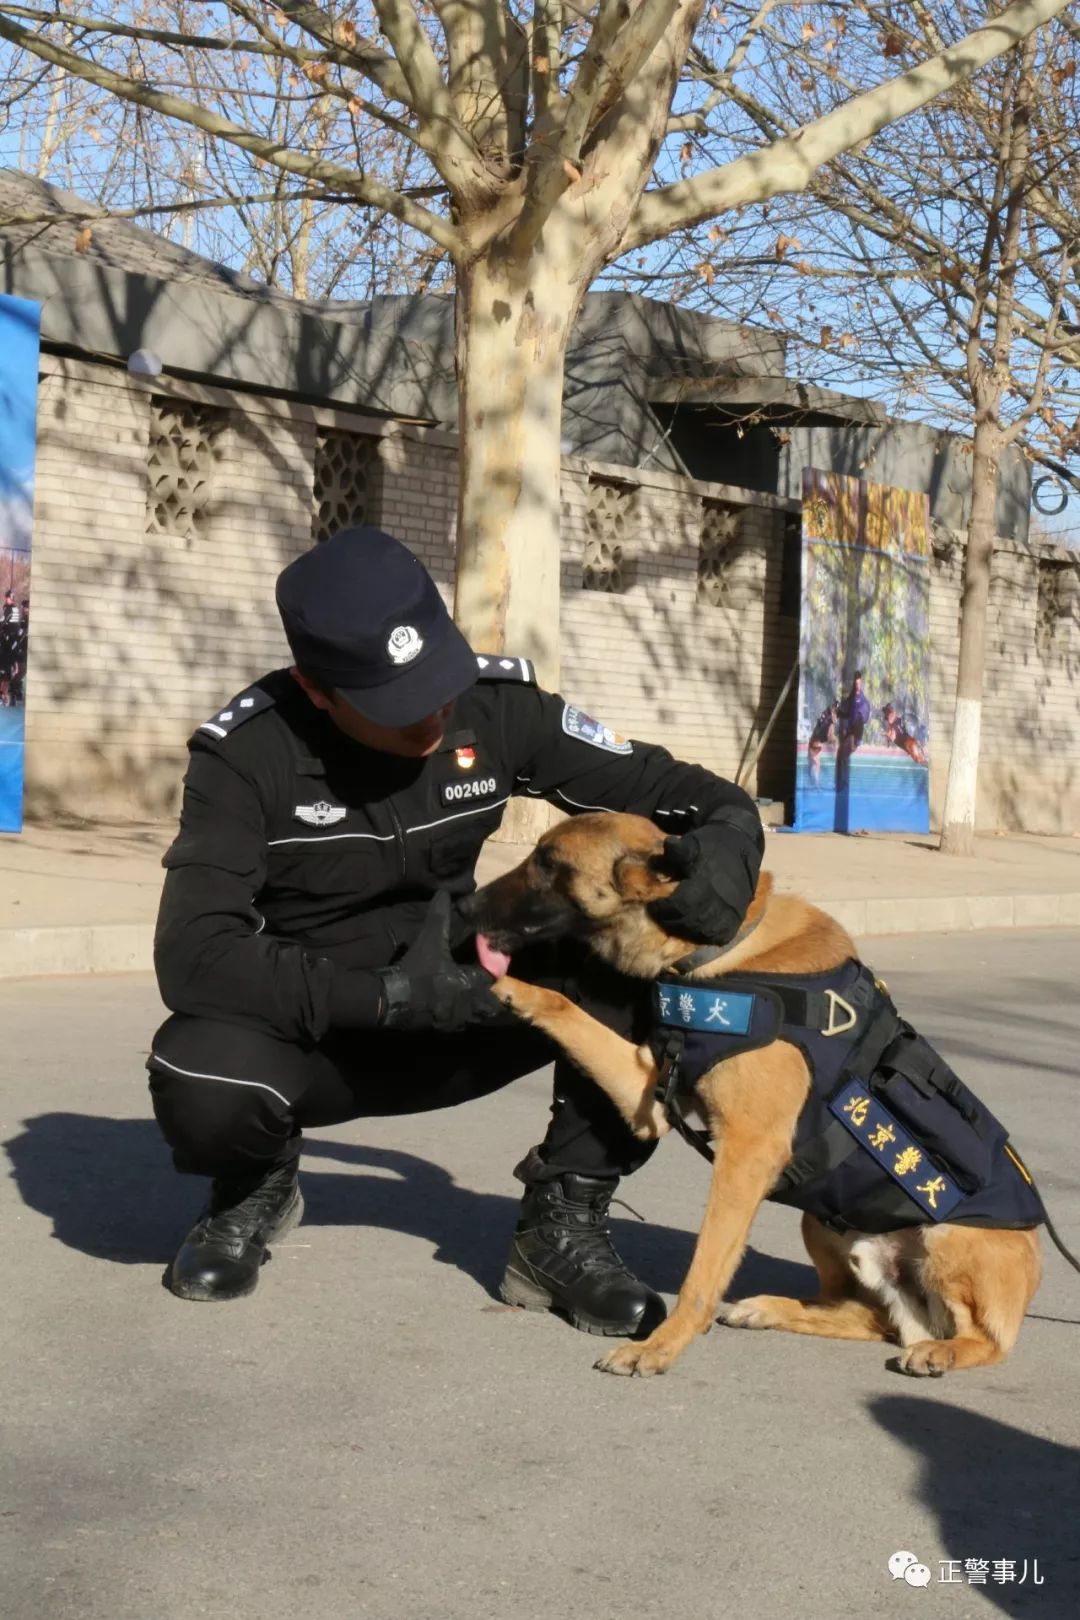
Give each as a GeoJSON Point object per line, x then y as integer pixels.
{"type": "Point", "coordinates": [576, 723]}
{"type": "Point", "coordinates": [503, 667]}
{"type": "Point", "coordinates": [241, 708]}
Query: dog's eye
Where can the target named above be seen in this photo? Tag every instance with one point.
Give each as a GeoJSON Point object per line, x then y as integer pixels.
{"type": "Point", "coordinates": [544, 859]}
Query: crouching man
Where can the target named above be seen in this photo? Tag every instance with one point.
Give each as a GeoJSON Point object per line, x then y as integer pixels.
{"type": "Point", "coordinates": [307, 944]}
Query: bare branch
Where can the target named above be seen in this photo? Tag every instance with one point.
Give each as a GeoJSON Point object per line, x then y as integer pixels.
{"type": "Point", "coordinates": [788, 165]}
{"type": "Point", "coordinates": [449, 146]}
{"type": "Point", "coordinates": [278, 156]}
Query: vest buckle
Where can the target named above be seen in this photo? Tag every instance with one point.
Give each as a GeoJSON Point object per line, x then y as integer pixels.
{"type": "Point", "coordinates": [837, 1002]}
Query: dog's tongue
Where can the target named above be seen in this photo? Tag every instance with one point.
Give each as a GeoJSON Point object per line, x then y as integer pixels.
{"type": "Point", "coordinates": [493, 961]}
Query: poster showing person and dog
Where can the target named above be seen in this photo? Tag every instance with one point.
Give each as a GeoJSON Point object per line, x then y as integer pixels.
{"type": "Point", "coordinates": [19, 319]}
{"type": "Point", "coordinates": [864, 653]}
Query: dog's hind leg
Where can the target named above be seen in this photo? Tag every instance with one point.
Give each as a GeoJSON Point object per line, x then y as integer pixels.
{"type": "Point", "coordinates": [839, 1312]}
{"type": "Point", "coordinates": [985, 1280]}
{"type": "Point", "coordinates": [625, 1072]}
{"type": "Point", "coordinates": [827, 1319]}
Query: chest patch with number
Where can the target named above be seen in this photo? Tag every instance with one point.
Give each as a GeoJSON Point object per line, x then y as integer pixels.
{"type": "Point", "coordinates": [465, 790]}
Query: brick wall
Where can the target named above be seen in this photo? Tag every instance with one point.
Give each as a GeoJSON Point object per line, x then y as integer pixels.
{"type": "Point", "coordinates": [137, 636]}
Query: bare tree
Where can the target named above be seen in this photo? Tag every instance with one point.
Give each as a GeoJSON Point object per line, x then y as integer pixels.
{"type": "Point", "coordinates": [942, 266]}
{"type": "Point", "coordinates": [531, 137]}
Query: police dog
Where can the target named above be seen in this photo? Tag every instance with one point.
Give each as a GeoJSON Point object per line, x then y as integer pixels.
{"type": "Point", "coordinates": [950, 1295]}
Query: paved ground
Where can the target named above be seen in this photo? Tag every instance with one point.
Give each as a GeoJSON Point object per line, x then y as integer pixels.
{"type": "Point", "coordinates": [371, 1436]}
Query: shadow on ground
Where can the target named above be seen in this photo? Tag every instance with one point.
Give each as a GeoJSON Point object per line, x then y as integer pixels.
{"type": "Point", "coordinates": [110, 1192]}
{"type": "Point", "coordinates": [998, 1493]}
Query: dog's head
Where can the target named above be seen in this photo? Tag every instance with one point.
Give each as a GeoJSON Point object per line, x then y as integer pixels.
{"type": "Point", "coordinates": [589, 878]}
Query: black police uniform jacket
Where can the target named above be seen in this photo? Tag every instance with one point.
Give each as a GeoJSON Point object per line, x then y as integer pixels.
{"type": "Point", "coordinates": [305, 860]}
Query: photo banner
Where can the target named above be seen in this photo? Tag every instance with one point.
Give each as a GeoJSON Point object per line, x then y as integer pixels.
{"type": "Point", "coordinates": [19, 344]}
{"type": "Point", "coordinates": [864, 656]}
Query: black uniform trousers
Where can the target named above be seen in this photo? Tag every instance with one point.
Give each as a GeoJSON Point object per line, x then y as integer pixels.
{"type": "Point", "coordinates": [233, 1100]}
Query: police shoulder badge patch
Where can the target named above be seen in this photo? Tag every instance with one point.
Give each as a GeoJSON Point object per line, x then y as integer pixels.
{"type": "Point", "coordinates": [244, 707]}
{"type": "Point", "coordinates": [576, 723]}
{"type": "Point", "coordinates": [504, 667]}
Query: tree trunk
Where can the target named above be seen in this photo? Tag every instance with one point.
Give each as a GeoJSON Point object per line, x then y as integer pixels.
{"type": "Point", "coordinates": [513, 324]}
{"type": "Point", "coordinates": [958, 819]}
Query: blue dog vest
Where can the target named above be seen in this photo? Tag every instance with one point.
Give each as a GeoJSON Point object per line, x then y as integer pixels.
{"type": "Point", "coordinates": [888, 1137]}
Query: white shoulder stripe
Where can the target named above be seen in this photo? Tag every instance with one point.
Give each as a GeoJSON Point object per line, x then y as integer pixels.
{"type": "Point", "coordinates": [218, 731]}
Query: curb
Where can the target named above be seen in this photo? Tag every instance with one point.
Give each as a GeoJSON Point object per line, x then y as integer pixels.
{"type": "Point", "coordinates": [103, 948]}
{"type": "Point", "coordinates": [128, 947]}
{"type": "Point", "coordinates": [955, 913]}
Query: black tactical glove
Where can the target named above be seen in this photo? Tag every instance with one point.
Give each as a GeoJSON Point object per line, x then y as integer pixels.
{"type": "Point", "coordinates": [427, 989]}
{"type": "Point", "coordinates": [718, 868]}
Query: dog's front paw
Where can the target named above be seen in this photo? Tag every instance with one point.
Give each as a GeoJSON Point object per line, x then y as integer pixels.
{"type": "Point", "coordinates": [930, 1358]}
{"type": "Point", "coordinates": [745, 1313]}
{"type": "Point", "coordinates": [636, 1360]}
{"type": "Point", "coordinates": [529, 1001]}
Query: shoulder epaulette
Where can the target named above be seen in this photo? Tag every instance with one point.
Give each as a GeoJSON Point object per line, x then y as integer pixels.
{"type": "Point", "coordinates": [242, 708]}
{"type": "Point", "coordinates": [500, 667]}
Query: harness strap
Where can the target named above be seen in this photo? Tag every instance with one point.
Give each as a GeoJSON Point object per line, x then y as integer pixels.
{"type": "Point", "coordinates": [820, 1157]}
{"type": "Point", "coordinates": [666, 1093]}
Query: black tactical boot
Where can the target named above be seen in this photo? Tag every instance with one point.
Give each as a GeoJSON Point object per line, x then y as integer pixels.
{"type": "Point", "coordinates": [563, 1259]}
{"type": "Point", "coordinates": [221, 1255]}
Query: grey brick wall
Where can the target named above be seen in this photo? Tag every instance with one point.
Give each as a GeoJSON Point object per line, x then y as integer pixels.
{"type": "Point", "coordinates": [138, 637]}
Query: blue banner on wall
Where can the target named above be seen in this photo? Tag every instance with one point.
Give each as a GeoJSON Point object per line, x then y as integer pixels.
{"type": "Point", "coordinates": [864, 654]}
{"type": "Point", "coordinates": [19, 344]}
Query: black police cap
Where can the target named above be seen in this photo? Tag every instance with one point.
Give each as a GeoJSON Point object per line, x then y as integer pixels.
{"type": "Point", "coordinates": [364, 615]}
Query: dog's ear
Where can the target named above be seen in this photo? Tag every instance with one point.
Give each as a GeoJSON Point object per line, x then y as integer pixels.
{"type": "Point", "coordinates": [639, 876]}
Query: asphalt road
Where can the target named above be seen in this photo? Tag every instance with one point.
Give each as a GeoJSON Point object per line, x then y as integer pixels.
{"type": "Point", "coordinates": [371, 1435]}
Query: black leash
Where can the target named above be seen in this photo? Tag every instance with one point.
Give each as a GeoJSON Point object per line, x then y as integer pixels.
{"type": "Point", "coordinates": [1066, 1254]}
{"type": "Point", "coordinates": [1051, 1230]}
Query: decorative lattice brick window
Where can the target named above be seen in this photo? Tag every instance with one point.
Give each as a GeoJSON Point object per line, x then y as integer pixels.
{"type": "Point", "coordinates": [612, 520]}
{"type": "Point", "coordinates": [721, 527]}
{"type": "Point", "coordinates": [180, 466]}
{"type": "Point", "coordinates": [1057, 603]}
{"type": "Point", "coordinates": [343, 479]}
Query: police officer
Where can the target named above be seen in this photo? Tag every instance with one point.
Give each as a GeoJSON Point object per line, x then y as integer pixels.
{"type": "Point", "coordinates": [306, 943]}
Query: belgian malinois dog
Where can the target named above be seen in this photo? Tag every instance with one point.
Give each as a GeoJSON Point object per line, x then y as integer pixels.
{"type": "Point", "coordinates": [951, 1295]}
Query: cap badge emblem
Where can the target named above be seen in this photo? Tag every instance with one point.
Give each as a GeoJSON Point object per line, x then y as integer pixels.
{"type": "Point", "coordinates": [320, 814]}
{"type": "Point", "coordinates": [404, 644]}
{"type": "Point", "coordinates": [466, 758]}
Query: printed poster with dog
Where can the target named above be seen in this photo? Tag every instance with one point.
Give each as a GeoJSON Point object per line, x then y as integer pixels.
{"type": "Point", "coordinates": [864, 653]}
{"type": "Point", "coordinates": [19, 323]}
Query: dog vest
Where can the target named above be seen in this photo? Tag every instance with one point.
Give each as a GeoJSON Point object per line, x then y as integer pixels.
{"type": "Point", "coordinates": [888, 1137]}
